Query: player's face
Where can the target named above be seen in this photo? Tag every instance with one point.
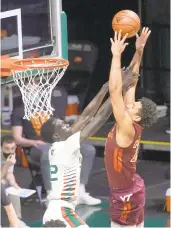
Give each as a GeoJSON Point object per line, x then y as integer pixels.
{"type": "Point", "coordinates": [62, 131]}
{"type": "Point", "coordinates": [134, 110]}
{"type": "Point", "coordinates": [65, 131]}
{"type": "Point", "coordinates": [66, 127]}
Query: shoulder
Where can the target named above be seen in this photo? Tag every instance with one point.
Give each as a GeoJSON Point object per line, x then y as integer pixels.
{"type": "Point", "coordinates": [125, 135]}
{"type": "Point", "coordinates": [74, 141]}
{"type": "Point", "coordinates": [126, 127]}
{"type": "Point", "coordinates": [75, 137]}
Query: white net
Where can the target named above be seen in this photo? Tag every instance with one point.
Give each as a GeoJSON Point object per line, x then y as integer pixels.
{"type": "Point", "coordinates": [36, 86]}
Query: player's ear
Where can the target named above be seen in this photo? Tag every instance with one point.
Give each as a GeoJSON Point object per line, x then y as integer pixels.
{"type": "Point", "coordinates": [137, 118]}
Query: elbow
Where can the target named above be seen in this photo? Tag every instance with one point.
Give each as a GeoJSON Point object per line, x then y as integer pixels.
{"type": "Point", "coordinates": [114, 91]}
{"type": "Point", "coordinates": [17, 139]}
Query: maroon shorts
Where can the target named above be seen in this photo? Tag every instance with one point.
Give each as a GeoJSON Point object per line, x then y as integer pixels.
{"type": "Point", "coordinates": [127, 206]}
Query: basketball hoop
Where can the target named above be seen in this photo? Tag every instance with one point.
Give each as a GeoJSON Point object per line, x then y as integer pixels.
{"type": "Point", "coordinates": [36, 78]}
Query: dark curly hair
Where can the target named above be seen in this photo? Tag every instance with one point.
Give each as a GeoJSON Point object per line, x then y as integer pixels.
{"type": "Point", "coordinates": [148, 112]}
{"type": "Point", "coordinates": [54, 223]}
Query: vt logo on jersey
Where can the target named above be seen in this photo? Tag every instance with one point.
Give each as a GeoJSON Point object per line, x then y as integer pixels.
{"type": "Point", "coordinates": [126, 197]}
{"type": "Point", "coordinates": [118, 19]}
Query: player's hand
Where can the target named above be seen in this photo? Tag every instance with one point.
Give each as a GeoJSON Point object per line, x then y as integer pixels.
{"type": "Point", "coordinates": [11, 160]}
{"type": "Point", "coordinates": [118, 44]}
{"type": "Point", "coordinates": [142, 39]}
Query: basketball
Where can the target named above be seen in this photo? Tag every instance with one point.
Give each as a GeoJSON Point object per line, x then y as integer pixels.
{"type": "Point", "coordinates": [127, 21]}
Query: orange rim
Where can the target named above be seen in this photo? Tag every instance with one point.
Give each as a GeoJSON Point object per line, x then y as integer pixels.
{"type": "Point", "coordinates": [33, 63]}
{"type": "Point", "coordinates": [6, 64]}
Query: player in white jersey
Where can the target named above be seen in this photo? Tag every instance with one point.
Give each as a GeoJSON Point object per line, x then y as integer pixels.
{"type": "Point", "coordinates": [65, 160]}
{"type": "Point", "coordinates": [65, 163]}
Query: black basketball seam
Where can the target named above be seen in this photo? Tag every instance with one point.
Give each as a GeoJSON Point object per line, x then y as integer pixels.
{"type": "Point", "coordinates": [128, 16]}
{"type": "Point", "coordinates": [124, 25]}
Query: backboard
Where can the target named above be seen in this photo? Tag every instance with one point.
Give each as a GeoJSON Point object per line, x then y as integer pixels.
{"type": "Point", "coordinates": [32, 28]}
{"type": "Point", "coordinates": [11, 44]}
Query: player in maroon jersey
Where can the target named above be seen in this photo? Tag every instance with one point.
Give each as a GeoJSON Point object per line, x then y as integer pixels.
{"type": "Point", "coordinates": [127, 192]}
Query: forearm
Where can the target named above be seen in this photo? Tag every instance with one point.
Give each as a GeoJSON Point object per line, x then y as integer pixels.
{"type": "Point", "coordinates": [129, 95]}
{"type": "Point", "coordinates": [12, 217]}
{"type": "Point", "coordinates": [91, 109]}
{"type": "Point", "coordinates": [4, 171]}
{"type": "Point", "coordinates": [11, 180]}
{"type": "Point", "coordinates": [115, 77]}
{"type": "Point", "coordinates": [136, 61]}
{"type": "Point", "coordinates": [97, 122]}
{"type": "Point", "coordinates": [21, 141]}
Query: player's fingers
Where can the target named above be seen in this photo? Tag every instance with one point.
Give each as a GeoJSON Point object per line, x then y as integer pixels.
{"type": "Point", "coordinates": [126, 44]}
{"type": "Point", "coordinates": [119, 35]}
{"type": "Point", "coordinates": [111, 40]}
{"type": "Point", "coordinates": [142, 32]}
{"type": "Point", "coordinates": [148, 34]}
{"type": "Point", "coordinates": [124, 38]}
{"type": "Point", "coordinates": [115, 37]}
{"type": "Point", "coordinates": [146, 31]}
{"type": "Point", "coordinates": [137, 35]}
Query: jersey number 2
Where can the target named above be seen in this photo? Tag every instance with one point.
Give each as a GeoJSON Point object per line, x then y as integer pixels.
{"type": "Point", "coordinates": [53, 173]}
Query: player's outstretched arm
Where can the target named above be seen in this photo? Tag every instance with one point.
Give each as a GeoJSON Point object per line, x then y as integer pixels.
{"type": "Point", "coordinates": [97, 122]}
{"type": "Point", "coordinates": [91, 109]}
{"type": "Point", "coordinates": [140, 45]}
{"type": "Point", "coordinates": [136, 62]}
{"type": "Point", "coordinates": [115, 86]}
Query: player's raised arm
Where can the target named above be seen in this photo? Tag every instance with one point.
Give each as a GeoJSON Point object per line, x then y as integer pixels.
{"type": "Point", "coordinates": [136, 62]}
{"type": "Point", "coordinates": [91, 109]}
{"type": "Point", "coordinates": [115, 86]}
{"type": "Point", "coordinates": [140, 45]}
{"type": "Point", "coordinates": [97, 122]}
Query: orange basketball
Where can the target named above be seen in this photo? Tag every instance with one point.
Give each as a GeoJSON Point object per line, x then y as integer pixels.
{"type": "Point", "coordinates": [127, 21]}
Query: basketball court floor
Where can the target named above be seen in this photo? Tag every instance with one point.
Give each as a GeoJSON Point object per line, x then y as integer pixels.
{"type": "Point", "coordinates": [98, 216]}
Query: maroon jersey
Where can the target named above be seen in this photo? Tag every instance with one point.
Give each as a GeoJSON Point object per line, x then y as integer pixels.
{"type": "Point", "coordinates": [121, 162]}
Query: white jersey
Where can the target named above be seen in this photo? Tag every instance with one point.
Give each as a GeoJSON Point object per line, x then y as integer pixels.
{"type": "Point", "coordinates": [65, 166]}
{"type": "Point", "coordinates": [65, 162]}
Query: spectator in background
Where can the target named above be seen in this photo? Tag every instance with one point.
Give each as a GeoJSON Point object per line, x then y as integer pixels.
{"type": "Point", "coordinates": [27, 134]}
{"type": "Point", "coordinates": [8, 148]}
{"type": "Point", "coordinates": [6, 203]}
{"type": "Point", "coordinates": [11, 214]}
